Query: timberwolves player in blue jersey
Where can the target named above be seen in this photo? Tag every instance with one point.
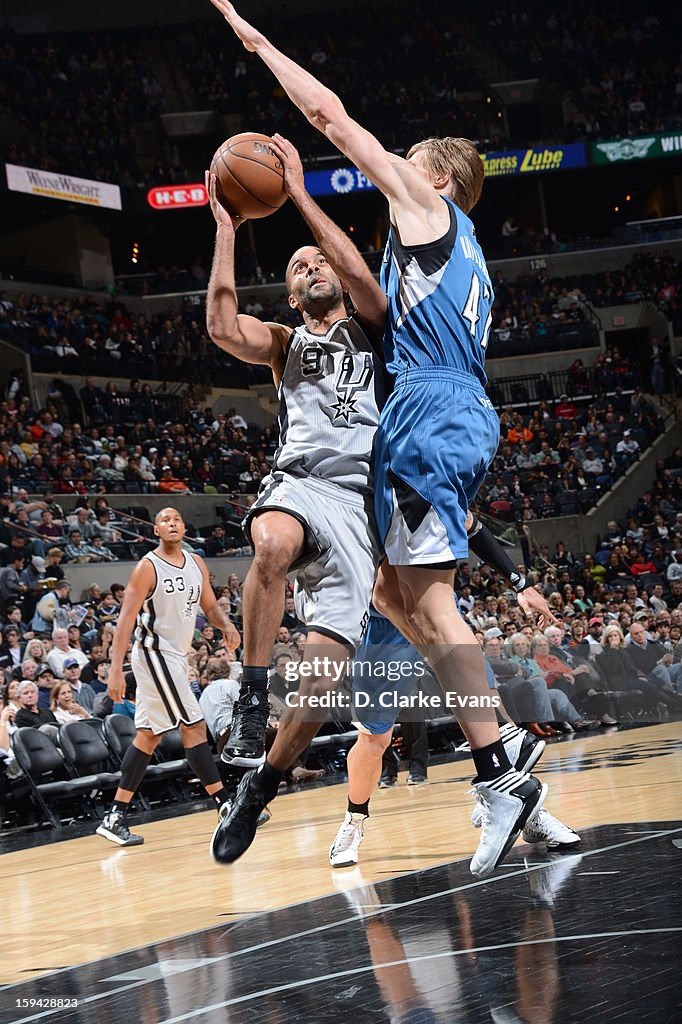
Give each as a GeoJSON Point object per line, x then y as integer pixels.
{"type": "Point", "coordinates": [438, 431]}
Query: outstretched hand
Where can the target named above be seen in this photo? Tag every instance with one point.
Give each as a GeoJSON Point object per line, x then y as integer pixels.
{"type": "Point", "coordinates": [222, 217]}
{"type": "Point", "coordinates": [287, 154]}
{"type": "Point", "coordinates": [249, 36]}
{"type": "Point", "coordinates": [530, 601]}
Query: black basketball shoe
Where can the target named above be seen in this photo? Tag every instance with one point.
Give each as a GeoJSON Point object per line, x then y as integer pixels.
{"type": "Point", "coordinates": [246, 745]}
{"type": "Point", "coordinates": [237, 828]}
{"type": "Point", "coordinates": [115, 828]}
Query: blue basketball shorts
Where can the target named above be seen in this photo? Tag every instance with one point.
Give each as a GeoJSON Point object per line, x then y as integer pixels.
{"type": "Point", "coordinates": [437, 436]}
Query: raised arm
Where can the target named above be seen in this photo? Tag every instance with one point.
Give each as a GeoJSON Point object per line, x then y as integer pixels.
{"type": "Point", "coordinates": [139, 587]}
{"type": "Point", "coordinates": [342, 255]}
{"type": "Point", "coordinates": [245, 337]}
{"type": "Point", "coordinates": [412, 197]}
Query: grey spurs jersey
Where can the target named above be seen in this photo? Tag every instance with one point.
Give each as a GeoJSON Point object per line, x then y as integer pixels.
{"type": "Point", "coordinates": [330, 395]}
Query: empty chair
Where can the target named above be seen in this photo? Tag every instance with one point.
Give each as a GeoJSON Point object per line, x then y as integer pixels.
{"type": "Point", "coordinates": [87, 753]}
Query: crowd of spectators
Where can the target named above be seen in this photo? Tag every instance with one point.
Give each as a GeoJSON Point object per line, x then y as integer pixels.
{"type": "Point", "coordinates": [561, 457]}
{"type": "Point", "coordinates": [414, 90]}
{"type": "Point", "coordinates": [74, 99]}
{"type": "Point", "coordinates": [615, 650]}
{"type": "Point", "coordinates": [612, 656]}
{"type": "Point", "coordinates": [101, 441]}
{"type": "Point", "coordinates": [533, 312]}
{"type": "Point", "coordinates": [617, 67]}
{"type": "Point", "coordinates": [83, 335]}
{"type": "Point", "coordinates": [536, 305]}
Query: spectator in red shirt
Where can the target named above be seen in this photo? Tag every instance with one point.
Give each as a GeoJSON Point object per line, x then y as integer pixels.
{"type": "Point", "coordinates": [565, 410]}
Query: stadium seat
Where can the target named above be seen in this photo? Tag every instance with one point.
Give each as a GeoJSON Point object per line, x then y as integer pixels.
{"type": "Point", "coordinates": [86, 752]}
{"type": "Point", "coordinates": [44, 769]}
{"type": "Point", "coordinates": [119, 733]}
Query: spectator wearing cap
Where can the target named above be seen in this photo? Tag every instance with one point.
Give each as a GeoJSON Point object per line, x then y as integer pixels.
{"type": "Point", "coordinates": [590, 644]}
{"type": "Point", "coordinates": [596, 467]}
{"type": "Point", "coordinates": [89, 624]}
{"type": "Point", "coordinates": [627, 448]}
{"type": "Point", "coordinates": [103, 553]}
{"type": "Point", "coordinates": [170, 484]}
{"type": "Point", "coordinates": [83, 693]}
{"type": "Point", "coordinates": [76, 640]}
{"type": "Point", "coordinates": [33, 576]}
{"type": "Point", "coordinates": [61, 651]}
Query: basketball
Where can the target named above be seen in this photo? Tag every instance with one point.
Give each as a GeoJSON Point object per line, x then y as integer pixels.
{"type": "Point", "coordinates": [250, 177]}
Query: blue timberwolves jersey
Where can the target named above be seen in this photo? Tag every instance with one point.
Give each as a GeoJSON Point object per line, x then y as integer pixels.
{"type": "Point", "coordinates": [439, 301]}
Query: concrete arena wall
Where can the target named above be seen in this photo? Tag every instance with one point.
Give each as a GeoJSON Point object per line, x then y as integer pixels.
{"type": "Point", "coordinates": [82, 576]}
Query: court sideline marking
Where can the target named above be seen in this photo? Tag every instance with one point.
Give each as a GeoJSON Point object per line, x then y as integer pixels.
{"type": "Point", "coordinates": [325, 927]}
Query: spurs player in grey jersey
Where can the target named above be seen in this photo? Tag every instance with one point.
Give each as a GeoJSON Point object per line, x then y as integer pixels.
{"type": "Point", "coordinates": [166, 590]}
{"type": "Point", "coordinates": [314, 514]}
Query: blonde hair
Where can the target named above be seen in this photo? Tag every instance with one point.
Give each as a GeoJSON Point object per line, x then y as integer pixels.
{"type": "Point", "coordinates": [609, 631]}
{"type": "Point", "coordinates": [457, 159]}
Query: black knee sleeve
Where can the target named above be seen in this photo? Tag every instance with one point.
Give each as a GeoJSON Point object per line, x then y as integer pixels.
{"type": "Point", "coordinates": [200, 760]}
{"type": "Point", "coordinates": [133, 767]}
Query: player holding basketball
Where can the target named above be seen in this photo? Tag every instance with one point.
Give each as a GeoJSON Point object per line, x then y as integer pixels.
{"type": "Point", "coordinates": [163, 595]}
{"type": "Point", "coordinates": [314, 514]}
{"type": "Point", "coordinates": [438, 431]}
{"type": "Point", "coordinates": [270, 529]}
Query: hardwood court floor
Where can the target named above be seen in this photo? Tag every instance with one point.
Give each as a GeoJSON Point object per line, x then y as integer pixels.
{"type": "Point", "coordinates": [81, 900]}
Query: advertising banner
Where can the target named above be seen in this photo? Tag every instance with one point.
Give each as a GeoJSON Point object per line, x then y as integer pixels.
{"type": "Point", "coordinates": [337, 181]}
{"type": "Point", "coordinates": [643, 147]}
{"type": "Point", "coordinates": [51, 185]}
{"type": "Point", "coordinates": [177, 197]}
{"type": "Point", "coordinates": [534, 159]}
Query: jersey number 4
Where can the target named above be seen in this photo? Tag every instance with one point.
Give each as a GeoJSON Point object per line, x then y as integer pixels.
{"type": "Point", "coordinates": [470, 311]}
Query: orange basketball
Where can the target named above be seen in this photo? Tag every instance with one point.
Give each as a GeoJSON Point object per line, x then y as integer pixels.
{"type": "Point", "coordinates": [250, 177]}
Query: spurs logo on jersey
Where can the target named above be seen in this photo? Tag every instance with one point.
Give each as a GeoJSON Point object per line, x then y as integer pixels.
{"type": "Point", "coordinates": [190, 610]}
{"type": "Point", "coordinates": [348, 389]}
{"type": "Point", "coordinates": [167, 618]}
{"type": "Point", "coordinates": [330, 395]}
